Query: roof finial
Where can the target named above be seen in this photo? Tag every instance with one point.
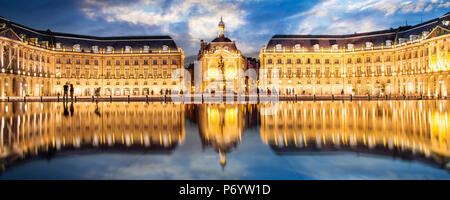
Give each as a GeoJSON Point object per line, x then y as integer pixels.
{"type": "Point", "coordinates": [221, 28]}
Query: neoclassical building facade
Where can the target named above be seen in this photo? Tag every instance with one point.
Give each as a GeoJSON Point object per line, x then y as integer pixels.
{"type": "Point", "coordinates": [222, 64]}
{"type": "Point", "coordinates": [39, 63]}
{"type": "Point", "coordinates": [410, 60]}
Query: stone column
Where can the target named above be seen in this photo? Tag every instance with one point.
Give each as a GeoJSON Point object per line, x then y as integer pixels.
{"type": "Point", "coordinates": [1, 55]}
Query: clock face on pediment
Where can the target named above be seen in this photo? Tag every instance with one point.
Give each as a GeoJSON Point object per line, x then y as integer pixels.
{"type": "Point", "coordinates": [223, 53]}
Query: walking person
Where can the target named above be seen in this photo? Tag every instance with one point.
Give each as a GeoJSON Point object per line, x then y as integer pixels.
{"type": "Point", "coordinates": [66, 88]}
{"type": "Point", "coordinates": [71, 91]}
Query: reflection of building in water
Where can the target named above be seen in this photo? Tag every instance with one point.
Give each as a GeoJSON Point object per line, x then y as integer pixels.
{"type": "Point", "coordinates": [29, 129]}
{"type": "Point", "coordinates": [410, 129]}
{"type": "Point", "coordinates": [222, 125]}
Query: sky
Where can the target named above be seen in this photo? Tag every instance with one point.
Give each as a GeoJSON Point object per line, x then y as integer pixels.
{"type": "Point", "coordinates": [251, 23]}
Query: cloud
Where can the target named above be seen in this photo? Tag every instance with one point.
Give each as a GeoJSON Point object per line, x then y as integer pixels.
{"type": "Point", "coordinates": [344, 17]}
{"type": "Point", "coordinates": [199, 17]}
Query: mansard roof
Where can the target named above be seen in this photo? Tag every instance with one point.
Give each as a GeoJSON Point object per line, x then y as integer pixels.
{"type": "Point", "coordinates": [377, 38]}
{"type": "Point", "coordinates": [86, 42]}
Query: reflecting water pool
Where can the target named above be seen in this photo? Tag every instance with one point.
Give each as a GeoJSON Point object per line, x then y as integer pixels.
{"type": "Point", "coordinates": [286, 140]}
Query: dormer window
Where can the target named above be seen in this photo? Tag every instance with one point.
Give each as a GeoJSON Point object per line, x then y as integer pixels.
{"type": "Point", "coordinates": [146, 49]}
{"type": "Point", "coordinates": [127, 49]}
{"type": "Point", "coordinates": [76, 48]}
{"type": "Point", "coordinates": [297, 47]}
{"type": "Point", "coordinates": [402, 40]}
{"type": "Point", "coordinates": [165, 48]}
{"type": "Point", "coordinates": [335, 47]}
{"type": "Point", "coordinates": [446, 22]}
{"type": "Point", "coordinates": [44, 43]}
{"type": "Point", "coordinates": [413, 37]}
{"type": "Point", "coordinates": [350, 46]}
{"type": "Point", "coordinates": [369, 45]}
{"type": "Point", "coordinates": [278, 47]}
{"type": "Point", "coordinates": [94, 49]}
{"type": "Point", "coordinates": [388, 43]}
{"type": "Point", "coordinates": [58, 46]}
{"type": "Point", "coordinates": [109, 49]}
{"type": "Point", "coordinates": [316, 47]}
{"type": "Point", "coordinates": [425, 33]}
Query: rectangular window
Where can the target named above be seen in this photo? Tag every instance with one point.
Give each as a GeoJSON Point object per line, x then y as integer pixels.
{"type": "Point", "coordinates": [117, 71]}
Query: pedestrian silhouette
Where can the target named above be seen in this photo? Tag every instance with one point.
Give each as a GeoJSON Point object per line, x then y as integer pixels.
{"type": "Point", "coordinates": [71, 91]}
{"type": "Point", "coordinates": [66, 88]}
{"type": "Point", "coordinates": [66, 110]}
{"type": "Point", "coordinates": [71, 109]}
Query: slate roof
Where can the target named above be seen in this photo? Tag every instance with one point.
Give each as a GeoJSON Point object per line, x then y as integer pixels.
{"type": "Point", "coordinates": [86, 42]}
{"type": "Point", "coordinates": [358, 39]}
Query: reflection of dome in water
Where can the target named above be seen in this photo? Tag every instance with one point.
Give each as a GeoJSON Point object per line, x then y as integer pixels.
{"type": "Point", "coordinates": [219, 127]}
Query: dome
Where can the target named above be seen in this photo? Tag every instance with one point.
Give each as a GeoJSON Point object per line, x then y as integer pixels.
{"type": "Point", "coordinates": [221, 39]}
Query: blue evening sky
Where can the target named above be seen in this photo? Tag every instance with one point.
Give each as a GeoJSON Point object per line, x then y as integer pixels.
{"type": "Point", "coordinates": [250, 22]}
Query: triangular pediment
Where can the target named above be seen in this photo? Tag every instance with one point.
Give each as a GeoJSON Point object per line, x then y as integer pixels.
{"type": "Point", "coordinates": [9, 33]}
{"type": "Point", "coordinates": [437, 31]}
